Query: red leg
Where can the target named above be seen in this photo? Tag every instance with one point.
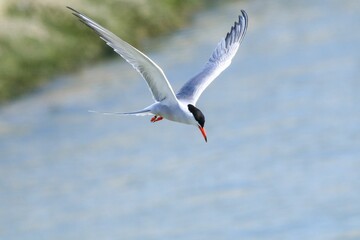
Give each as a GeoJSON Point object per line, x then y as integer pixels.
{"type": "Point", "coordinates": [159, 118]}
{"type": "Point", "coordinates": [153, 119]}
{"type": "Point", "coordinates": [156, 118]}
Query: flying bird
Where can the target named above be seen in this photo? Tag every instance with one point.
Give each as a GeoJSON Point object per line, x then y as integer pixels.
{"type": "Point", "coordinates": [179, 107]}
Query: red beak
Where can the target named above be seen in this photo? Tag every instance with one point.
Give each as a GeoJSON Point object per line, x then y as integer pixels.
{"type": "Point", "coordinates": [202, 130]}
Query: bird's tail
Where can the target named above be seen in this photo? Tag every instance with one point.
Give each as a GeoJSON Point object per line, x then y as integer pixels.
{"type": "Point", "coordinates": [142, 112]}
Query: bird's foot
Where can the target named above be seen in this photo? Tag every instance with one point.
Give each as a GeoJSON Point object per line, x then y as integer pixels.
{"type": "Point", "coordinates": [156, 118]}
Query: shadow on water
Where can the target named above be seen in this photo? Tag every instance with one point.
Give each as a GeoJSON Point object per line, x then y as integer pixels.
{"type": "Point", "coordinates": [282, 161]}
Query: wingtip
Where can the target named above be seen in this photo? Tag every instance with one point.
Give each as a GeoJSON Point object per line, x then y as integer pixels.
{"type": "Point", "coordinates": [68, 7]}
{"type": "Point", "coordinates": [243, 12]}
{"type": "Point", "coordinates": [244, 15]}
{"type": "Point", "coordinates": [76, 13]}
{"type": "Point", "coordinates": [239, 29]}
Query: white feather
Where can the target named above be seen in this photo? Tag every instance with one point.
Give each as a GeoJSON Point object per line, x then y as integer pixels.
{"type": "Point", "coordinates": [152, 73]}
{"type": "Point", "coordinates": [218, 62]}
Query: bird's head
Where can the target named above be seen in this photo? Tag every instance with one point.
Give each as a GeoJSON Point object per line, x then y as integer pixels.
{"type": "Point", "coordinates": [200, 119]}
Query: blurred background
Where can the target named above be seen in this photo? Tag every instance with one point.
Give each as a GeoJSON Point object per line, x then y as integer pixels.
{"type": "Point", "coordinates": [283, 154]}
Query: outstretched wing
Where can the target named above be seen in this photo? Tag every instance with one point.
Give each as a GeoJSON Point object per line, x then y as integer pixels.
{"type": "Point", "coordinates": [152, 73]}
{"type": "Point", "coordinates": [218, 62]}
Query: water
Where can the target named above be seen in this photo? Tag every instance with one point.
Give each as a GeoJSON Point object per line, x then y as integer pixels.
{"type": "Point", "coordinates": [282, 161]}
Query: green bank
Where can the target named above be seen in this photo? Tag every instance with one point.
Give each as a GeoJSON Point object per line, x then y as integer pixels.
{"type": "Point", "coordinates": [41, 38]}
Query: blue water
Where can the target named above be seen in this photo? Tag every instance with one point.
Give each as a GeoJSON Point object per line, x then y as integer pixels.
{"type": "Point", "coordinates": [283, 123]}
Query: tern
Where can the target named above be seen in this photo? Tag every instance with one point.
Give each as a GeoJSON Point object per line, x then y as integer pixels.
{"type": "Point", "coordinates": [179, 107]}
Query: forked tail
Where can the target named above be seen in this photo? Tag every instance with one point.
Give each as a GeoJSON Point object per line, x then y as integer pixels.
{"type": "Point", "coordinates": [143, 112]}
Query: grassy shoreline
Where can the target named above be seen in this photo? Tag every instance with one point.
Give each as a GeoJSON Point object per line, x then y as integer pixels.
{"type": "Point", "coordinates": [41, 38]}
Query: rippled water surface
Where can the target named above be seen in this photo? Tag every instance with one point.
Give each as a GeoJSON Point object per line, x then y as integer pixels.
{"type": "Point", "coordinates": [283, 122]}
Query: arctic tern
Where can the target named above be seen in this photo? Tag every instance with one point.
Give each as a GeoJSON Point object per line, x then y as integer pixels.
{"type": "Point", "coordinates": [179, 107]}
